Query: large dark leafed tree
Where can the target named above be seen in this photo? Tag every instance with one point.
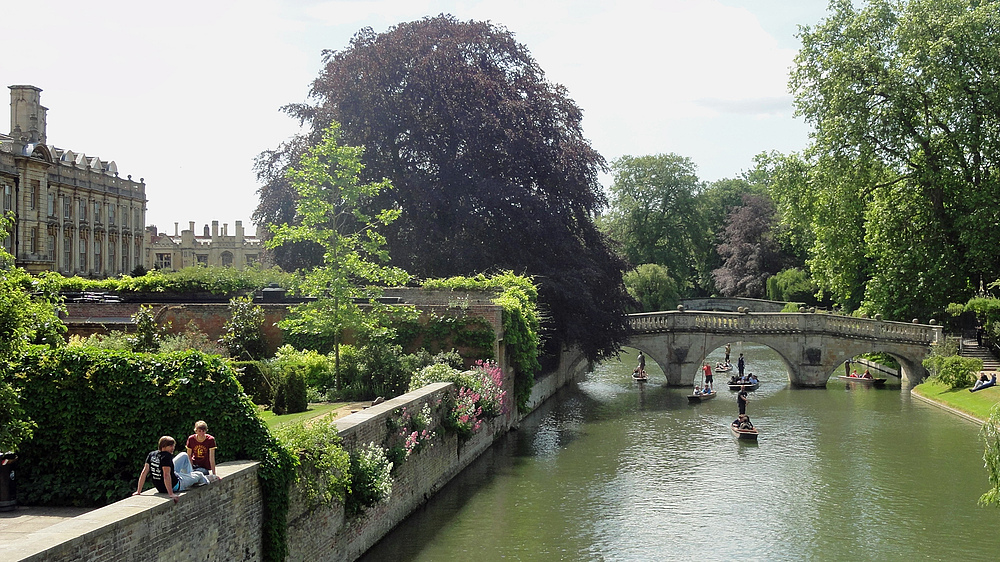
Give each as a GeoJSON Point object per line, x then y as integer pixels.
{"type": "Point", "coordinates": [489, 162]}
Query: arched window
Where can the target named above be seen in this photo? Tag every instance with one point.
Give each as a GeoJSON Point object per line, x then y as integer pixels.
{"type": "Point", "coordinates": [227, 259]}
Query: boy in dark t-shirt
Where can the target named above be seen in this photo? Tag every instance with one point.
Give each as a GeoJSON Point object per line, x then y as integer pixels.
{"type": "Point", "coordinates": [160, 467]}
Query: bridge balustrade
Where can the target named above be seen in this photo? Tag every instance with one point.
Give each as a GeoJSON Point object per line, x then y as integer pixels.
{"type": "Point", "coordinates": [776, 322]}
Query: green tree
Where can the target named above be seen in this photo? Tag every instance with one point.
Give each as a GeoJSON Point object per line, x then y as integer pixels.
{"type": "Point", "coordinates": [902, 96]}
{"type": "Point", "coordinates": [653, 287]}
{"type": "Point", "coordinates": [332, 216]}
{"type": "Point", "coordinates": [654, 215]}
{"type": "Point", "coordinates": [491, 168]}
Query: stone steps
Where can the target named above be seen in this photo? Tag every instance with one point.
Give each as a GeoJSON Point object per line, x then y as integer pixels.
{"type": "Point", "coordinates": [971, 349]}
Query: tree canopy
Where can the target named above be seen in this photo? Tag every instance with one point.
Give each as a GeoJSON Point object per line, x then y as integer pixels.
{"type": "Point", "coordinates": [903, 98]}
{"type": "Point", "coordinates": [489, 163]}
{"type": "Point", "coordinates": [655, 215]}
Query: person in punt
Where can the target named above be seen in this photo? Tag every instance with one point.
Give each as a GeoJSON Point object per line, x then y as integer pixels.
{"type": "Point", "coordinates": [867, 374]}
{"type": "Point", "coordinates": [706, 390]}
{"type": "Point", "coordinates": [742, 422]}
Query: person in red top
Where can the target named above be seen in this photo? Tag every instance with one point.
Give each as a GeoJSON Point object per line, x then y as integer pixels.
{"type": "Point", "coordinates": [201, 448]}
{"type": "Point", "coordinates": [708, 376]}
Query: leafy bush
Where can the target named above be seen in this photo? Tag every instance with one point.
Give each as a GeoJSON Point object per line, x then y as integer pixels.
{"type": "Point", "coordinates": [317, 369]}
{"type": "Point", "coordinates": [792, 285]}
{"type": "Point", "coordinates": [244, 337]}
{"type": "Point", "coordinates": [371, 479]}
{"type": "Point", "coordinates": [115, 341]}
{"type": "Point", "coordinates": [148, 335]}
{"type": "Point", "coordinates": [954, 371]}
{"type": "Point", "coordinates": [380, 373]}
{"type": "Point", "coordinates": [414, 362]}
{"type": "Point", "coordinates": [253, 376]}
{"type": "Point", "coordinates": [192, 338]}
{"type": "Point", "coordinates": [324, 469]}
{"type": "Point", "coordinates": [14, 425]}
{"type": "Point", "coordinates": [290, 393]}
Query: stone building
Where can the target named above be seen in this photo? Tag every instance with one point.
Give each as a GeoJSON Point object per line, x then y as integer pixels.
{"type": "Point", "coordinates": [73, 213]}
{"type": "Point", "coordinates": [212, 247]}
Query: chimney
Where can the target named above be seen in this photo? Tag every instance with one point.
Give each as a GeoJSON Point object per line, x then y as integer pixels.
{"type": "Point", "coordinates": [225, 229]}
{"type": "Point", "coordinates": [27, 113]}
{"type": "Point", "coordinates": [215, 229]}
{"type": "Point", "coordinates": [176, 233]}
{"type": "Point", "coordinates": [207, 233]}
{"type": "Point", "coordinates": [191, 226]}
{"type": "Point", "coordinates": [239, 231]}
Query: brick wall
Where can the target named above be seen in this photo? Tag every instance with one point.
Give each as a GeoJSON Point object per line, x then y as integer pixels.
{"type": "Point", "coordinates": [217, 522]}
{"type": "Point", "coordinates": [223, 521]}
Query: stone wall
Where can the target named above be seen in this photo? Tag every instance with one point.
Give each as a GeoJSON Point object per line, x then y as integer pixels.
{"type": "Point", "coordinates": [217, 522]}
{"type": "Point", "coordinates": [223, 521]}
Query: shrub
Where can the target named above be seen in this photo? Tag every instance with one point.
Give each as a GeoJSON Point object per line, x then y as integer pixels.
{"type": "Point", "coordinates": [290, 393]}
{"type": "Point", "coordinates": [371, 479]}
{"type": "Point", "coordinates": [324, 470]}
{"type": "Point", "coordinates": [243, 337]}
{"type": "Point", "coordinates": [192, 338]}
{"type": "Point", "coordinates": [256, 384]}
{"type": "Point", "coordinates": [380, 373]}
{"type": "Point", "coordinates": [317, 369]}
{"type": "Point", "coordinates": [148, 335]}
{"type": "Point", "coordinates": [115, 341]}
{"type": "Point", "coordinates": [14, 425]}
{"type": "Point", "coordinates": [954, 371]}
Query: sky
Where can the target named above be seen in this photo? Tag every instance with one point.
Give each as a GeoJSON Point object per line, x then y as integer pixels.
{"type": "Point", "coordinates": [186, 94]}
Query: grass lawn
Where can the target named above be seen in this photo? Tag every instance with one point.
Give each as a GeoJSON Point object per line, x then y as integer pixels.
{"type": "Point", "coordinates": [314, 411]}
{"type": "Point", "coordinates": [977, 404]}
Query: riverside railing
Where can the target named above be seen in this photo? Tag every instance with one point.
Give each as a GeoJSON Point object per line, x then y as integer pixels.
{"type": "Point", "coordinates": [784, 323]}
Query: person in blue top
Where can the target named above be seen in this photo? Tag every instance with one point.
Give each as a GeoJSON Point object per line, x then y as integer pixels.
{"type": "Point", "coordinates": [168, 473]}
{"type": "Point", "coordinates": [741, 364]}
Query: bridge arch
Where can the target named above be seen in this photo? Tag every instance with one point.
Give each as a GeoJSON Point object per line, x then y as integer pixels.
{"type": "Point", "coordinates": [811, 345]}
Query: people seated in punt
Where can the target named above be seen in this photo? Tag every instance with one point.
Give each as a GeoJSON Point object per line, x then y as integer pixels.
{"type": "Point", "coordinates": [734, 379]}
{"type": "Point", "coordinates": [706, 390]}
{"type": "Point", "coordinates": [742, 422]}
{"type": "Point", "coordinates": [754, 379]}
{"type": "Point", "coordinates": [639, 372]}
{"type": "Point", "coordinates": [854, 374]}
{"type": "Point", "coordinates": [867, 374]}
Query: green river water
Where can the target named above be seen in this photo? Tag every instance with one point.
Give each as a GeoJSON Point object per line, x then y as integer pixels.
{"type": "Point", "coordinates": [611, 470]}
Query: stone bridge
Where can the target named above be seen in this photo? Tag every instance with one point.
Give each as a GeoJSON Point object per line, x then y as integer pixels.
{"type": "Point", "coordinates": [812, 346]}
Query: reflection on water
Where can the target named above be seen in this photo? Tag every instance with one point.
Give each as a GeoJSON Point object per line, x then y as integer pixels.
{"type": "Point", "coordinates": [616, 470]}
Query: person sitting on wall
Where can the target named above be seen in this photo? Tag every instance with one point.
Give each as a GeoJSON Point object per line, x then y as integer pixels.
{"type": "Point", "coordinates": [169, 474]}
{"type": "Point", "coordinates": [201, 450]}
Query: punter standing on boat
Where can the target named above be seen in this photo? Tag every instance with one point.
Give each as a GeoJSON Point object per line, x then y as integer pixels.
{"type": "Point", "coordinates": [642, 364]}
{"type": "Point", "coordinates": [708, 375]}
{"type": "Point", "coordinates": [728, 347]}
{"type": "Point", "coordinates": [741, 400]}
{"type": "Point", "coordinates": [741, 364]}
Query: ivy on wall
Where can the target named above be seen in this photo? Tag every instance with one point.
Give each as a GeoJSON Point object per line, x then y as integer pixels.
{"type": "Point", "coordinates": [518, 297]}
{"type": "Point", "coordinates": [99, 412]}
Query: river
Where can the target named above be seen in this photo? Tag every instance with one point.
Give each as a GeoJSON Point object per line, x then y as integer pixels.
{"type": "Point", "coordinates": [609, 470]}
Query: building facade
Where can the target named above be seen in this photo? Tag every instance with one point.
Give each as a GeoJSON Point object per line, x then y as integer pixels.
{"type": "Point", "coordinates": [211, 248]}
{"type": "Point", "coordinates": [73, 213]}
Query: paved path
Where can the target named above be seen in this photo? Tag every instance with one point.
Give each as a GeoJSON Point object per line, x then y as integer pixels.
{"type": "Point", "coordinates": [24, 520]}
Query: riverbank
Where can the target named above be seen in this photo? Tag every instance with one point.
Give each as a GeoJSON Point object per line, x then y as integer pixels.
{"type": "Point", "coordinates": [975, 406]}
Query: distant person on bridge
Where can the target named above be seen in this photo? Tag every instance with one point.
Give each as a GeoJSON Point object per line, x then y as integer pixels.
{"type": "Point", "coordinates": [741, 400]}
{"type": "Point", "coordinates": [708, 376]}
{"type": "Point", "coordinates": [741, 364]}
